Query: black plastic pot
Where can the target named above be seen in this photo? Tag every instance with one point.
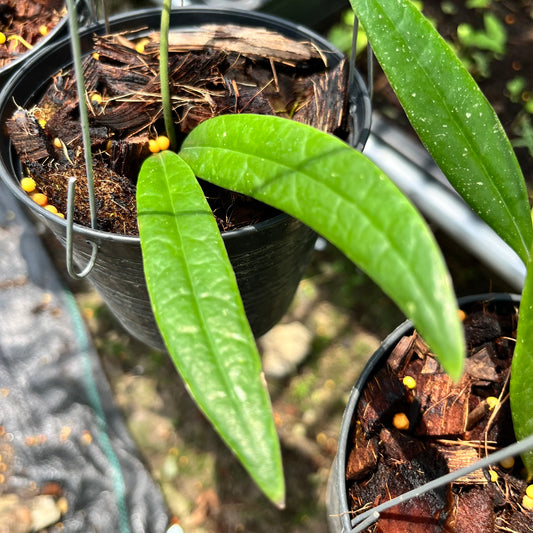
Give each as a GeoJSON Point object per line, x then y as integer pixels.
{"type": "Point", "coordinates": [339, 515]}
{"type": "Point", "coordinates": [55, 33]}
{"type": "Point", "coordinates": [268, 258]}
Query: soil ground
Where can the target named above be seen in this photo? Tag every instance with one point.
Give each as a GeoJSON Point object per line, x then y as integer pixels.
{"type": "Point", "coordinates": [340, 317]}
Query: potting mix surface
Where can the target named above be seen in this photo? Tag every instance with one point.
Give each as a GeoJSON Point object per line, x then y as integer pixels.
{"type": "Point", "coordinates": [264, 73]}
{"type": "Point", "coordinates": [24, 23]}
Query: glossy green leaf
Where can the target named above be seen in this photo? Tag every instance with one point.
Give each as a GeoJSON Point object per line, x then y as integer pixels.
{"type": "Point", "coordinates": [198, 308]}
{"type": "Point", "coordinates": [521, 383]}
{"type": "Point", "coordinates": [342, 195]}
{"type": "Point", "coordinates": [450, 114]}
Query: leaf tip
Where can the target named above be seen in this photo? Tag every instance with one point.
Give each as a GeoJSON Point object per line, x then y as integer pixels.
{"type": "Point", "coordinates": [279, 500]}
{"type": "Point", "coordinates": [274, 490]}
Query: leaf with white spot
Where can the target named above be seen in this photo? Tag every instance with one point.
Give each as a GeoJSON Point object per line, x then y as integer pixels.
{"type": "Point", "coordinates": [199, 312]}
{"type": "Point", "coordinates": [437, 92]}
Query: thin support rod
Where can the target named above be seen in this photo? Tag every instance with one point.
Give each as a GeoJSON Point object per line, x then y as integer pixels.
{"type": "Point", "coordinates": [84, 117]}
{"type": "Point", "coordinates": [70, 239]}
{"type": "Point", "coordinates": [84, 120]}
{"type": "Point", "coordinates": [367, 518]}
{"type": "Point", "coordinates": [106, 16]}
{"type": "Point", "coordinates": [370, 70]}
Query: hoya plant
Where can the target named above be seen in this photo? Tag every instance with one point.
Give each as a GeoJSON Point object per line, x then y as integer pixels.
{"type": "Point", "coordinates": [342, 195]}
{"type": "Point", "coordinates": [312, 176]}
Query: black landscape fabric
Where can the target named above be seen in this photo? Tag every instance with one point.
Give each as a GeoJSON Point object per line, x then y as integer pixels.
{"type": "Point", "coordinates": [60, 431]}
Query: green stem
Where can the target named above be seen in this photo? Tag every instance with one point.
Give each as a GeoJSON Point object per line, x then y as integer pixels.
{"type": "Point", "coordinates": [163, 73]}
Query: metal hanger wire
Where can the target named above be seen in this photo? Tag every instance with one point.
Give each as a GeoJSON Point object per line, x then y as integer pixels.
{"type": "Point", "coordinates": [80, 86]}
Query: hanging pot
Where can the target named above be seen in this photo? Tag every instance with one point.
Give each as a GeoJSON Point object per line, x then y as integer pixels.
{"type": "Point", "coordinates": [268, 258]}
{"type": "Point", "coordinates": [422, 441]}
{"type": "Point", "coordinates": [54, 34]}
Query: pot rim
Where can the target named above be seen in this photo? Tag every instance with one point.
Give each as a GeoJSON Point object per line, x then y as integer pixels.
{"type": "Point", "coordinates": [141, 15]}
{"type": "Point", "coordinates": [383, 351]}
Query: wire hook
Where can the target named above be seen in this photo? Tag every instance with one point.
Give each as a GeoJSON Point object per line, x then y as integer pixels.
{"type": "Point", "coordinates": [370, 70]}
{"type": "Point", "coordinates": [94, 5]}
{"type": "Point", "coordinates": [353, 53]}
{"type": "Point", "coordinates": [106, 16]}
{"type": "Point", "coordinates": [70, 233]}
{"type": "Point", "coordinates": [356, 96]}
{"type": "Point", "coordinates": [84, 120]}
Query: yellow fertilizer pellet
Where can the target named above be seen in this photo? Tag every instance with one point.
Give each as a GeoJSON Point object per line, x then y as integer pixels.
{"type": "Point", "coordinates": [39, 198]}
{"type": "Point", "coordinates": [400, 421]}
{"type": "Point", "coordinates": [28, 184]}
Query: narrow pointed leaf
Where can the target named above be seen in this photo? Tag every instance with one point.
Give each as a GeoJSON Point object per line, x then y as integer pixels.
{"type": "Point", "coordinates": [450, 114]}
{"type": "Point", "coordinates": [198, 308]}
{"type": "Point", "coordinates": [341, 194]}
{"type": "Point", "coordinates": [521, 383]}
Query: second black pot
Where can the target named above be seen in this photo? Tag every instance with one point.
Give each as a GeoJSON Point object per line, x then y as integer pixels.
{"type": "Point", "coordinates": [339, 514]}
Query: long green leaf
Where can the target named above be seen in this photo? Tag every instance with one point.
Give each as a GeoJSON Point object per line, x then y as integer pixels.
{"type": "Point", "coordinates": [521, 383]}
{"type": "Point", "coordinates": [342, 195]}
{"type": "Point", "coordinates": [198, 308]}
{"type": "Point", "coordinates": [450, 114]}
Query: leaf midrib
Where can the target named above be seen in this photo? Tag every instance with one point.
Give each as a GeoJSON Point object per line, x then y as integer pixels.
{"type": "Point", "coordinates": [200, 314]}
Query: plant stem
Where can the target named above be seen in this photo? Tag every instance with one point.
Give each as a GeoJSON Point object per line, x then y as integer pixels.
{"type": "Point", "coordinates": [163, 74]}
